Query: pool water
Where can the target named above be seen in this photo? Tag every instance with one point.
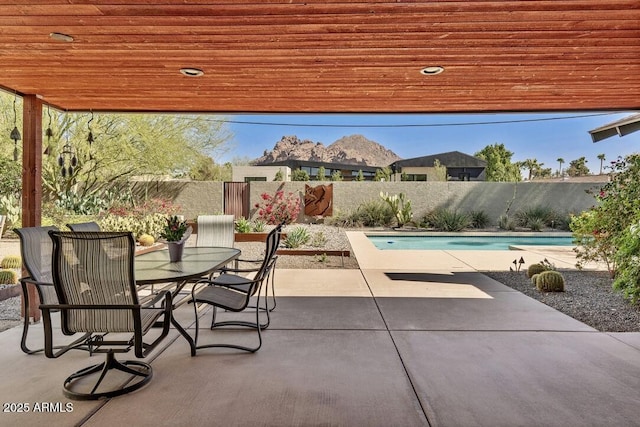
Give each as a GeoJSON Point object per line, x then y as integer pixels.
{"type": "Point", "coordinates": [466, 243]}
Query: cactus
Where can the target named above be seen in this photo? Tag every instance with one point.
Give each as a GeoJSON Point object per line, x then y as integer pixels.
{"type": "Point", "coordinates": [401, 208]}
{"type": "Point", "coordinates": [534, 278]}
{"type": "Point", "coordinates": [8, 277]}
{"type": "Point", "coordinates": [535, 269]}
{"type": "Point", "coordinates": [146, 240]}
{"type": "Point", "coordinates": [11, 261]}
{"type": "Point", "coordinates": [550, 281]}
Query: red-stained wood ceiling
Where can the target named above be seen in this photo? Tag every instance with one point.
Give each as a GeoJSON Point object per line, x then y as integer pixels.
{"type": "Point", "coordinates": [324, 55]}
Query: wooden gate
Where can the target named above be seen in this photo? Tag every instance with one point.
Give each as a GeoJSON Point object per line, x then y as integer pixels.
{"type": "Point", "coordinates": [236, 199]}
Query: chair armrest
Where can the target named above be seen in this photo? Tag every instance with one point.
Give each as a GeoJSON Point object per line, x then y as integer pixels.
{"type": "Point", "coordinates": [31, 281]}
{"type": "Point", "coordinates": [239, 270]}
{"type": "Point", "coordinates": [162, 295]}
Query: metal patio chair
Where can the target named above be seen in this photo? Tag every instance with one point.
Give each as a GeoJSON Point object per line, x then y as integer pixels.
{"type": "Point", "coordinates": [215, 230]}
{"type": "Point", "coordinates": [36, 248]}
{"type": "Point", "coordinates": [93, 275]}
{"type": "Point", "coordinates": [84, 226]}
{"type": "Point", "coordinates": [233, 292]}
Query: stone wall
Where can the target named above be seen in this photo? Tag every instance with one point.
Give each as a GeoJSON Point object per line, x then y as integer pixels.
{"type": "Point", "coordinates": [491, 197]}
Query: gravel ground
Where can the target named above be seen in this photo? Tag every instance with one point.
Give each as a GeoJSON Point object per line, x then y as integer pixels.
{"type": "Point", "coordinates": [588, 297]}
{"type": "Point", "coordinates": [334, 238]}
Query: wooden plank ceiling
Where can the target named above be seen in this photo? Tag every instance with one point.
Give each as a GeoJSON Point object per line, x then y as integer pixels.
{"type": "Point", "coordinates": [324, 55]}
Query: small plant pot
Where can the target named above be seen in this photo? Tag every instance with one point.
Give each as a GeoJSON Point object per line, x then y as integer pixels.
{"type": "Point", "coordinates": [175, 251]}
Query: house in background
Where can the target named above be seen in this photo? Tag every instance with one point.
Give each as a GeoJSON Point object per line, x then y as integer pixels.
{"type": "Point", "coordinates": [260, 173]}
{"type": "Point", "coordinates": [349, 172]}
{"type": "Point", "coordinates": [459, 167]}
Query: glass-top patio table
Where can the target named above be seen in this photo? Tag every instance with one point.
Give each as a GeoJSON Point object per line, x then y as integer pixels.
{"type": "Point", "coordinates": [155, 267]}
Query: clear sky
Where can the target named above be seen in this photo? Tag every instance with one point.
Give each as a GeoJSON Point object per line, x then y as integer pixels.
{"type": "Point", "coordinates": [545, 137]}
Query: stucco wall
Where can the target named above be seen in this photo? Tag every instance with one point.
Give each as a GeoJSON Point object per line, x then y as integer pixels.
{"type": "Point", "coordinates": [194, 197]}
{"type": "Point", "coordinates": [491, 197]}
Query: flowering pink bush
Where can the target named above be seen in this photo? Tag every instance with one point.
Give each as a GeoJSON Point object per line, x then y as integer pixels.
{"type": "Point", "coordinates": [278, 208]}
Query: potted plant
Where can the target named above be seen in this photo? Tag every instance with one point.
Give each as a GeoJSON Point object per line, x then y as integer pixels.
{"type": "Point", "coordinates": [175, 233]}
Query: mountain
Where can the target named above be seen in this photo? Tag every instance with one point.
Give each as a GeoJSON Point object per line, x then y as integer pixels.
{"type": "Point", "coordinates": [348, 150]}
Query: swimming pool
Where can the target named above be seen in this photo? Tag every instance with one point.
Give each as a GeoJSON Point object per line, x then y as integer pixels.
{"type": "Point", "coordinates": [466, 243]}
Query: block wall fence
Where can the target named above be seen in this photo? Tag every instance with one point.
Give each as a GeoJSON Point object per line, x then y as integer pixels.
{"type": "Point", "coordinates": [198, 197]}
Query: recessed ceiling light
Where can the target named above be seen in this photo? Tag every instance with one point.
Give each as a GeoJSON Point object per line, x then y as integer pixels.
{"type": "Point", "coordinates": [61, 37]}
{"type": "Point", "coordinates": [432, 71]}
{"type": "Point", "coordinates": [192, 72]}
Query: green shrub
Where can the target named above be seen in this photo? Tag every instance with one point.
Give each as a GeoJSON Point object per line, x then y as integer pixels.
{"type": "Point", "coordinates": [505, 222]}
{"type": "Point", "coordinates": [8, 277]}
{"type": "Point", "coordinates": [536, 224]}
{"type": "Point", "coordinates": [258, 226]}
{"type": "Point", "coordinates": [151, 224]}
{"type": "Point", "coordinates": [447, 220]}
{"type": "Point", "coordinates": [535, 216]}
{"type": "Point", "coordinates": [550, 281]}
{"type": "Point", "coordinates": [297, 237]}
{"type": "Point", "coordinates": [374, 213]}
{"type": "Point", "coordinates": [11, 261]}
{"type": "Point", "coordinates": [628, 260]}
{"type": "Point", "coordinates": [479, 219]}
{"type": "Point", "coordinates": [243, 225]}
{"type": "Point", "coordinates": [318, 240]}
{"type": "Point", "coordinates": [342, 219]}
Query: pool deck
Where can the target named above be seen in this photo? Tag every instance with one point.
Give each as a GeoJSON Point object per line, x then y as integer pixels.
{"type": "Point", "coordinates": [370, 257]}
{"type": "Point", "coordinates": [412, 338]}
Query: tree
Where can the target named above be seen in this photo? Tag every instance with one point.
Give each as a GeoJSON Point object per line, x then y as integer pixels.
{"type": "Point", "coordinates": [206, 169]}
{"type": "Point", "coordinates": [279, 176]}
{"type": "Point", "coordinates": [560, 161]}
{"type": "Point", "coordinates": [602, 158]}
{"type": "Point", "coordinates": [543, 172]}
{"type": "Point", "coordinates": [124, 145]}
{"type": "Point", "coordinates": [11, 177]}
{"type": "Point", "coordinates": [578, 167]}
{"type": "Point", "coordinates": [360, 176]}
{"type": "Point", "coordinates": [336, 176]}
{"type": "Point", "coordinates": [533, 167]}
{"type": "Point", "coordinates": [321, 173]}
{"type": "Point", "coordinates": [440, 170]}
{"type": "Point", "coordinates": [499, 166]}
{"type": "Point", "coordinates": [383, 174]}
{"type": "Point", "coordinates": [299, 175]}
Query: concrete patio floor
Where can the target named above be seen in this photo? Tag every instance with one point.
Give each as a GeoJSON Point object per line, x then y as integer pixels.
{"type": "Point", "coordinates": [408, 340]}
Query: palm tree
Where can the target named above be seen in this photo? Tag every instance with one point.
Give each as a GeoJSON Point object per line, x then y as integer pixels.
{"type": "Point", "coordinates": [560, 160]}
{"type": "Point", "coordinates": [601, 158]}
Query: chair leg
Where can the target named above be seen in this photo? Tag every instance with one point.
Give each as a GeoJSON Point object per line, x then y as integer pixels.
{"type": "Point", "coordinates": [258, 309]}
{"type": "Point", "coordinates": [257, 325]}
{"type": "Point", "coordinates": [109, 364]}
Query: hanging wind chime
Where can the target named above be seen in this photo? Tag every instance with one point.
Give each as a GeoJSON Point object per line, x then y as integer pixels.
{"type": "Point", "coordinates": [48, 133]}
{"type": "Point", "coordinates": [67, 159]}
{"type": "Point", "coordinates": [90, 137]}
{"type": "Point", "coordinates": [15, 133]}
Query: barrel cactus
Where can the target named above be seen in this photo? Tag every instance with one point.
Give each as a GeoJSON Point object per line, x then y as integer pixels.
{"type": "Point", "coordinates": [550, 281]}
{"type": "Point", "coordinates": [11, 261]}
{"type": "Point", "coordinates": [8, 277]}
{"type": "Point", "coordinates": [534, 278]}
{"type": "Point", "coordinates": [535, 269]}
{"type": "Point", "coordinates": [146, 240]}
